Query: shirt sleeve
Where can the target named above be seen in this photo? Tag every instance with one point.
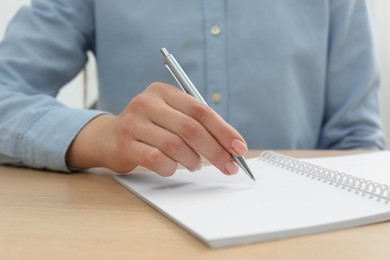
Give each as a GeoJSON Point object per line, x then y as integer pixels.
{"type": "Point", "coordinates": [352, 118]}
{"type": "Point", "coordinates": [44, 47]}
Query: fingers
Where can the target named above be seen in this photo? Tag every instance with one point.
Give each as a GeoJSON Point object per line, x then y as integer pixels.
{"type": "Point", "coordinates": [107, 141]}
{"type": "Point", "coordinates": [224, 133]}
{"type": "Point", "coordinates": [160, 128]}
{"type": "Point", "coordinates": [152, 158]}
{"type": "Point", "coordinates": [168, 143]}
{"type": "Point", "coordinates": [164, 126]}
{"type": "Point", "coordinates": [194, 135]}
{"type": "Point", "coordinates": [200, 127]}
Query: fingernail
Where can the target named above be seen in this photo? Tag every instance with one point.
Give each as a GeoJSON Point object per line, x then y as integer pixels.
{"type": "Point", "coordinates": [239, 147]}
{"type": "Point", "coordinates": [231, 167]}
{"type": "Point", "coordinates": [198, 167]}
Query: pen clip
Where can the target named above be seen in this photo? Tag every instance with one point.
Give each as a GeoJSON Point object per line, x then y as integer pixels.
{"type": "Point", "coordinates": [178, 82]}
{"type": "Point", "coordinates": [180, 76]}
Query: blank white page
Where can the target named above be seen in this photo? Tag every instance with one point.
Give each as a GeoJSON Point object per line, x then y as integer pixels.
{"type": "Point", "coordinates": [228, 210]}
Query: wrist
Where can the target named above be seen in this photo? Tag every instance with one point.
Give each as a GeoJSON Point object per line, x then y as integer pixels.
{"type": "Point", "coordinates": [87, 149]}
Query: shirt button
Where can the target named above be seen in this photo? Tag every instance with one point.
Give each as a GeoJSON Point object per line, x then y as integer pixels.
{"type": "Point", "coordinates": [215, 30]}
{"type": "Point", "coordinates": [216, 97]}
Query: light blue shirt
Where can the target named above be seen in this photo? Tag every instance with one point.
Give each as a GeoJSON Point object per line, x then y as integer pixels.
{"type": "Point", "coordinates": [296, 74]}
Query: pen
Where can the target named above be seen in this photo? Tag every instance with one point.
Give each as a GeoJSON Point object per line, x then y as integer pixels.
{"type": "Point", "coordinates": [187, 86]}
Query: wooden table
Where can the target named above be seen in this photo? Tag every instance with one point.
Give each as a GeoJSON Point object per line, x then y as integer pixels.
{"type": "Point", "coordinates": [48, 215]}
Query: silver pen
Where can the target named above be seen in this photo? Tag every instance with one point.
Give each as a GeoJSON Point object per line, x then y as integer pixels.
{"type": "Point", "coordinates": [187, 86]}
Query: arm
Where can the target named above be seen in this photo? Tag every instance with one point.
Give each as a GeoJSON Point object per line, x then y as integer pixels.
{"type": "Point", "coordinates": [163, 126]}
{"type": "Point", "coordinates": [44, 48]}
{"type": "Point", "coordinates": [160, 127]}
{"type": "Point", "coordinates": [351, 119]}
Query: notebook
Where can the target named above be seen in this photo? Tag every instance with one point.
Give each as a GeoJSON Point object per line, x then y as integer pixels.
{"type": "Point", "coordinates": [290, 197]}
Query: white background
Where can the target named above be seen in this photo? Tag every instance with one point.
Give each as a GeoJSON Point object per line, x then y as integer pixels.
{"type": "Point", "coordinates": [73, 94]}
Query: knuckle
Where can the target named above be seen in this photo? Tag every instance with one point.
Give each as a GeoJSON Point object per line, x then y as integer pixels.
{"type": "Point", "coordinates": [123, 132]}
{"type": "Point", "coordinates": [151, 158]}
{"type": "Point", "coordinates": [156, 87]}
{"type": "Point", "coordinates": [140, 102]}
{"type": "Point", "coordinates": [155, 84]}
{"type": "Point", "coordinates": [172, 146]}
{"type": "Point", "coordinates": [200, 111]}
{"type": "Point", "coordinates": [221, 157]}
{"type": "Point", "coordinates": [190, 129]}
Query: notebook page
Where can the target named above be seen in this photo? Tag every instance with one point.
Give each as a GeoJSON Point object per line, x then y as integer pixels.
{"type": "Point", "coordinates": [374, 166]}
{"type": "Point", "coordinates": [224, 210]}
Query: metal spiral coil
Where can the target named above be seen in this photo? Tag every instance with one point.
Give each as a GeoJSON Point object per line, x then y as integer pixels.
{"type": "Point", "coordinates": [365, 187]}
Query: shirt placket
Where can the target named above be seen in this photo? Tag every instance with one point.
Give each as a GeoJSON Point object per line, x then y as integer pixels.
{"type": "Point", "coordinates": [215, 51]}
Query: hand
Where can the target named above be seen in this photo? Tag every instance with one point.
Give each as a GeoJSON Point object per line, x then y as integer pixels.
{"type": "Point", "coordinates": [160, 128]}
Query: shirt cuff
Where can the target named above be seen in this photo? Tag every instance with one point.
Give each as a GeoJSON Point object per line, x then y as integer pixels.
{"type": "Point", "coordinates": [45, 144]}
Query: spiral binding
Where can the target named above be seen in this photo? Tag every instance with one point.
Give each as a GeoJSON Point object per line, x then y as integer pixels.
{"type": "Point", "coordinates": [365, 187]}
